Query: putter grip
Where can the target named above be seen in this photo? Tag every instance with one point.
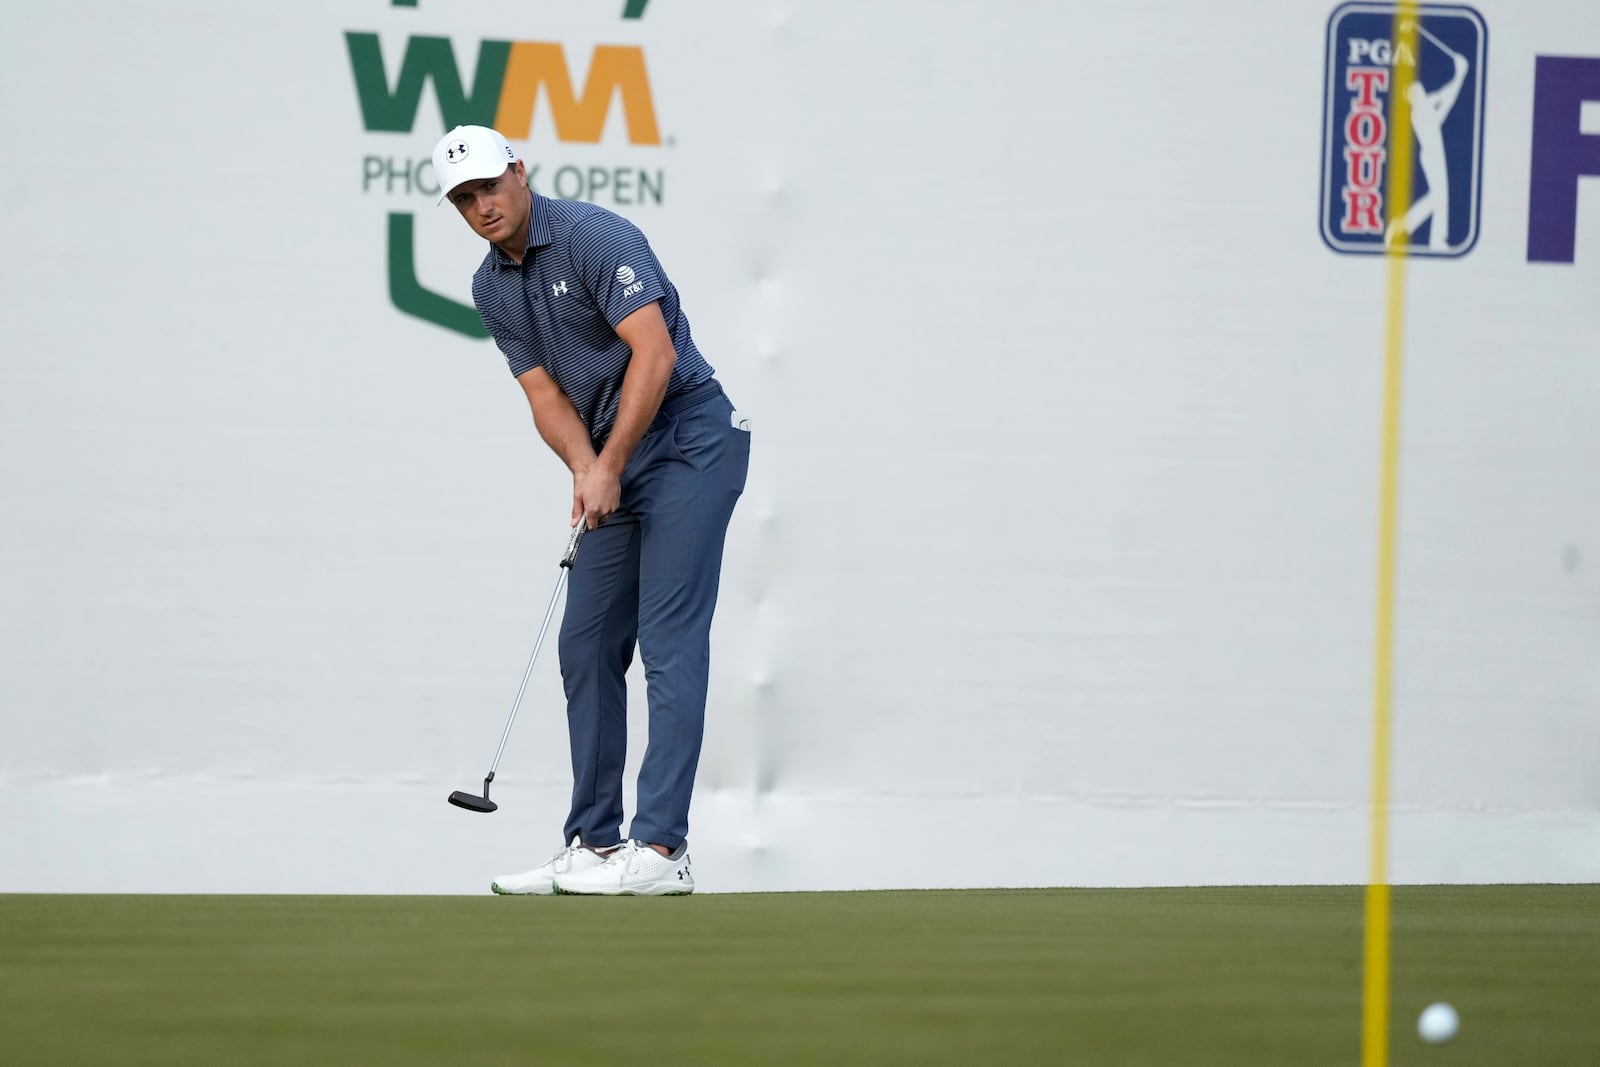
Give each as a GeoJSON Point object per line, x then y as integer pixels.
{"type": "Point", "coordinates": [572, 544]}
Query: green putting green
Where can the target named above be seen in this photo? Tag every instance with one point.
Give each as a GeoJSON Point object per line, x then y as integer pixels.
{"type": "Point", "coordinates": [1227, 976]}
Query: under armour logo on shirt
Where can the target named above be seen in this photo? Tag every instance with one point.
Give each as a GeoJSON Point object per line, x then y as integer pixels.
{"type": "Point", "coordinates": [560, 288]}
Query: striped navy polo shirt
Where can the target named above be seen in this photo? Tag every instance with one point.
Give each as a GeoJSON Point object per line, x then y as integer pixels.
{"type": "Point", "coordinates": [585, 270]}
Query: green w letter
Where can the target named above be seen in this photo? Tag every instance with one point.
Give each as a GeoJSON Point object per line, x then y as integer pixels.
{"type": "Point", "coordinates": [426, 57]}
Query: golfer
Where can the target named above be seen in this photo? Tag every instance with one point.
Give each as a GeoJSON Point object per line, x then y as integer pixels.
{"type": "Point", "coordinates": [595, 333]}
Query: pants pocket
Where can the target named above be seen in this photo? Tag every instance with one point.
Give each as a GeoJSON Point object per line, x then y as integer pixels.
{"type": "Point", "coordinates": [707, 440]}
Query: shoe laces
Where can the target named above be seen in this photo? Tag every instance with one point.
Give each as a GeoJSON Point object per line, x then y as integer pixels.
{"type": "Point", "coordinates": [637, 854]}
{"type": "Point", "coordinates": [562, 860]}
{"type": "Point", "coordinates": [621, 856]}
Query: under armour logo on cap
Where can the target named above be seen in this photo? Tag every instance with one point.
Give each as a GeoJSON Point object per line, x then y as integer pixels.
{"type": "Point", "coordinates": [456, 152]}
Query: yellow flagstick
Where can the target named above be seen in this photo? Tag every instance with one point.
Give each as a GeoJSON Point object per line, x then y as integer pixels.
{"type": "Point", "coordinates": [1375, 985]}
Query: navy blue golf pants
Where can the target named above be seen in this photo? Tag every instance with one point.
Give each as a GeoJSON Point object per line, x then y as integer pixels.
{"type": "Point", "coordinates": [649, 576]}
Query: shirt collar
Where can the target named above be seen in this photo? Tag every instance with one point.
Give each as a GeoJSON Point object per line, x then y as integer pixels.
{"type": "Point", "coordinates": [538, 231]}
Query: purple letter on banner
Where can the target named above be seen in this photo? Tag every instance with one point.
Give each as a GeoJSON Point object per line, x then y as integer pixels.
{"type": "Point", "coordinates": [1562, 153]}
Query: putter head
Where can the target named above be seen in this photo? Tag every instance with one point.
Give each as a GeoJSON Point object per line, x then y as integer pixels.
{"type": "Point", "coordinates": [472, 802]}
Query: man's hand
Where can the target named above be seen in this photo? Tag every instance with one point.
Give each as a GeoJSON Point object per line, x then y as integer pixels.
{"type": "Point", "coordinates": [596, 492]}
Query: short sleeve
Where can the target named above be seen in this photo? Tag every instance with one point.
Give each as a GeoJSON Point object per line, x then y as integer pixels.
{"type": "Point", "coordinates": [617, 266]}
{"type": "Point", "coordinates": [521, 354]}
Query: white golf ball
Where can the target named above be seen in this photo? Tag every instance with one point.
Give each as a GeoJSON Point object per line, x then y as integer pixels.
{"type": "Point", "coordinates": [1437, 1023]}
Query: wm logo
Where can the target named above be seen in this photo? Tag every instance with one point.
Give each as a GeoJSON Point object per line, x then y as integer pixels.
{"type": "Point", "coordinates": [505, 85]}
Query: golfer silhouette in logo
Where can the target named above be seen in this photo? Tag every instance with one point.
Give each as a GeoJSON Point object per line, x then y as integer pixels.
{"type": "Point", "coordinates": [1428, 113]}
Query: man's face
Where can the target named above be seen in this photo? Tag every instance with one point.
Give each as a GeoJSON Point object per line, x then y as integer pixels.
{"type": "Point", "coordinates": [495, 208]}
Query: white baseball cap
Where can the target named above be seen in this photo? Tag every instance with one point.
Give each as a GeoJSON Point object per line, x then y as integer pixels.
{"type": "Point", "coordinates": [468, 153]}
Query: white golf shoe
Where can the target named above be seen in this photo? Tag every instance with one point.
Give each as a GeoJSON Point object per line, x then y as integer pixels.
{"type": "Point", "coordinates": [634, 870]}
{"type": "Point", "coordinates": [541, 881]}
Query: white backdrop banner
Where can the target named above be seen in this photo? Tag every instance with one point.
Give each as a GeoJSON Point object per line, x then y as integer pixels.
{"type": "Point", "coordinates": [1063, 344]}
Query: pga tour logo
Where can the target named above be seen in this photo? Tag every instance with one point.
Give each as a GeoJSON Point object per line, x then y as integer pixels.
{"type": "Point", "coordinates": [1446, 97]}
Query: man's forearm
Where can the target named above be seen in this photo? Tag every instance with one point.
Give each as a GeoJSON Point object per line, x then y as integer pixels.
{"type": "Point", "coordinates": [643, 386]}
{"type": "Point", "coordinates": [561, 427]}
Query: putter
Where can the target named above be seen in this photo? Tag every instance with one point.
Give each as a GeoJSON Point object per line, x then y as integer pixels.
{"type": "Point", "coordinates": [483, 804]}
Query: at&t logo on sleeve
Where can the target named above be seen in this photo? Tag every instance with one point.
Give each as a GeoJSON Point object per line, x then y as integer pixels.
{"type": "Point", "coordinates": [1446, 97]}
